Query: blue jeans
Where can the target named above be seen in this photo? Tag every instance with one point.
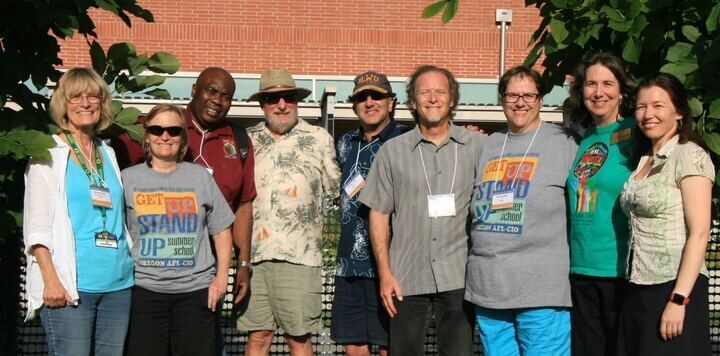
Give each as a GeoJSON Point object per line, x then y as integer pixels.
{"type": "Point", "coordinates": [524, 331]}
{"type": "Point", "coordinates": [100, 319]}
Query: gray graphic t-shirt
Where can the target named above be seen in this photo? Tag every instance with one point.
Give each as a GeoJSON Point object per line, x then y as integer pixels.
{"type": "Point", "coordinates": [170, 218]}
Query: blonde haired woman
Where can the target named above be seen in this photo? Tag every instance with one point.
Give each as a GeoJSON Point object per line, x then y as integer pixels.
{"type": "Point", "coordinates": [79, 270]}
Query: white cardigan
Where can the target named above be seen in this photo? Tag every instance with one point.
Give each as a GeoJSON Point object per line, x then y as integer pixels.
{"type": "Point", "coordinates": [46, 222]}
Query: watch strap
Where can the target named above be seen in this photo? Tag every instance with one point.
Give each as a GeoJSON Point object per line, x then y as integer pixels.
{"type": "Point", "coordinates": [679, 299]}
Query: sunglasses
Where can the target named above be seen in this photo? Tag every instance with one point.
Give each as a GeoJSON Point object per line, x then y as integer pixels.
{"type": "Point", "coordinates": [157, 130]}
{"type": "Point", "coordinates": [360, 97]}
{"type": "Point", "coordinates": [273, 99]}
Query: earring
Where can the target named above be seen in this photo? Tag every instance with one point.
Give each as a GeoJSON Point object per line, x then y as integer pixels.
{"type": "Point", "coordinates": [679, 123]}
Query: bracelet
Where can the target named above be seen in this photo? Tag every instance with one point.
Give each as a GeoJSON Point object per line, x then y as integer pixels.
{"type": "Point", "coordinates": [243, 264]}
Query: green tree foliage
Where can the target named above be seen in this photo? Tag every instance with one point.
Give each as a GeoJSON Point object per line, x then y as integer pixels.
{"type": "Point", "coordinates": [677, 37]}
{"type": "Point", "coordinates": [30, 35]}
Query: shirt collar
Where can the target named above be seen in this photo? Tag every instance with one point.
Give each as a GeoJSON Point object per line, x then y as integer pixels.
{"type": "Point", "coordinates": [191, 121]}
{"type": "Point", "coordinates": [666, 150]}
{"type": "Point", "coordinates": [301, 127]}
{"type": "Point", "coordinates": [384, 134]}
{"type": "Point", "coordinates": [456, 133]}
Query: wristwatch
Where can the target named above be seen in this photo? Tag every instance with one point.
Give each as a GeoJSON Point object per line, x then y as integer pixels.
{"type": "Point", "coordinates": [679, 299]}
{"type": "Point", "coordinates": [243, 264]}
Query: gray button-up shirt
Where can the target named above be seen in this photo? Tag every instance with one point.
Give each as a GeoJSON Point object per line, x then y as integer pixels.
{"type": "Point", "coordinates": [427, 255]}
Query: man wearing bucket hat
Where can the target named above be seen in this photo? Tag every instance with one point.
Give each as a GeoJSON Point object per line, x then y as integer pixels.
{"type": "Point", "coordinates": [296, 176]}
{"type": "Point", "coordinates": [358, 319]}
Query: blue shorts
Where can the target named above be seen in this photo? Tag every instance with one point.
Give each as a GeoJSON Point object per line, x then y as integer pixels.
{"type": "Point", "coordinates": [524, 331]}
{"type": "Point", "coordinates": [357, 316]}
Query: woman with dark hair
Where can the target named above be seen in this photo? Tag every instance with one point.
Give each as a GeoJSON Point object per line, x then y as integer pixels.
{"type": "Point", "coordinates": [79, 271]}
{"type": "Point", "coordinates": [173, 209]}
{"type": "Point", "coordinates": [517, 267]}
{"type": "Point", "coordinates": [601, 100]}
{"type": "Point", "coordinates": [668, 197]}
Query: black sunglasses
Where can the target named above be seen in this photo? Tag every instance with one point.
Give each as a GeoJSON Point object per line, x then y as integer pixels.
{"type": "Point", "coordinates": [273, 99]}
{"type": "Point", "coordinates": [362, 96]}
{"type": "Point", "coordinates": [157, 130]}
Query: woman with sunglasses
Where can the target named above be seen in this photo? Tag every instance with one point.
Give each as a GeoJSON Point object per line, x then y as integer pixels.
{"type": "Point", "coordinates": [668, 199]}
{"type": "Point", "coordinates": [173, 209]}
{"type": "Point", "coordinates": [79, 271]}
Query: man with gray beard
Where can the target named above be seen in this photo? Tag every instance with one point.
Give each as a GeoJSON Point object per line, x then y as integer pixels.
{"type": "Point", "coordinates": [295, 174]}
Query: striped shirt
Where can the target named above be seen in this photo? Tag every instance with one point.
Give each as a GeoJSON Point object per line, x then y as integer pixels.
{"type": "Point", "coordinates": [427, 255]}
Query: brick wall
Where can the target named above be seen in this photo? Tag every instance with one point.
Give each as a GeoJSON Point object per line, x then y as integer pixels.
{"type": "Point", "coordinates": [340, 37]}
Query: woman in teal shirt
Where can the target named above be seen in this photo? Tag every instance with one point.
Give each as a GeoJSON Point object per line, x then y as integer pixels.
{"type": "Point", "coordinates": [601, 100]}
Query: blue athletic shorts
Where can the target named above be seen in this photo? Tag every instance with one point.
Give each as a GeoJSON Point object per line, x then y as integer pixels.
{"type": "Point", "coordinates": [524, 331]}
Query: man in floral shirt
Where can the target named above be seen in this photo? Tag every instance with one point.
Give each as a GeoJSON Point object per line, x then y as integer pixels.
{"type": "Point", "coordinates": [296, 175]}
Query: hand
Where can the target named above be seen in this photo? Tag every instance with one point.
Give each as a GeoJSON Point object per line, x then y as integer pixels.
{"type": "Point", "coordinates": [216, 290]}
{"type": "Point", "coordinates": [242, 284]}
{"type": "Point", "coordinates": [671, 321]}
{"type": "Point", "coordinates": [390, 287]}
{"type": "Point", "coordinates": [474, 128]}
{"type": "Point", "coordinates": [55, 295]}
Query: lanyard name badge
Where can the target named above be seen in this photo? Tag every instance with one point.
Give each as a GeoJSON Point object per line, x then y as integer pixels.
{"type": "Point", "coordinates": [440, 205]}
{"type": "Point", "coordinates": [504, 199]}
{"type": "Point", "coordinates": [99, 192]}
{"type": "Point", "coordinates": [356, 182]}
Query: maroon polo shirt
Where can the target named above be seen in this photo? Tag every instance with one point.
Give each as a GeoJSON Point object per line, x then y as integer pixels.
{"type": "Point", "coordinates": [235, 178]}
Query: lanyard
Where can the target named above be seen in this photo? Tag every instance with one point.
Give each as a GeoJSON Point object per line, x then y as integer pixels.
{"type": "Point", "coordinates": [497, 172]}
{"type": "Point", "coordinates": [99, 170]}
{"type": "Point", "coordinates": [452, 185]}
{"type": "Point", "coordinates": [354, 167]}
{"type": "Point", "coordinates": [82, 158]}
{"type": "Point", "coordinates": [202, 142]}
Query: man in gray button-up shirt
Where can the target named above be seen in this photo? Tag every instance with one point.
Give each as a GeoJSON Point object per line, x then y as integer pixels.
{"type": "Point", "coordinates": [424, 179]}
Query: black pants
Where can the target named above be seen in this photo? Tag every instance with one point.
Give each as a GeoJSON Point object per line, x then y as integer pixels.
{"type": "Point", "coordinates": [180, 323]}
{"type": "Point", "coordinates": [596, 305]}
{"type": "Point", "coordinates": [453, 324]}
{"type": "Point", "coordinates": [639, 322]}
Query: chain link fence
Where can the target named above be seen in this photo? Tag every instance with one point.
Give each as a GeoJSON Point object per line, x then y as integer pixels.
{"type": "Point", "coordinates": [29, 339]}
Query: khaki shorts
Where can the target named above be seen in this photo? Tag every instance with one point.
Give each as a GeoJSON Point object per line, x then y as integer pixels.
{"type": "Point", "coordinates": [283, 295]}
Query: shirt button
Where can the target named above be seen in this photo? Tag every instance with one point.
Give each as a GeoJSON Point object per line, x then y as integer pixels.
{"type": "Point", "coordinates": [433, 260]}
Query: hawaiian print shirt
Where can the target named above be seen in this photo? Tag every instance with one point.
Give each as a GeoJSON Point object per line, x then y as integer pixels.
{"type": "Point", "coordinates": [296, 177]}
{"type": "Point", "coordinates": [355, 156]}
{"type": "Point", "coordinates": [657, 220]}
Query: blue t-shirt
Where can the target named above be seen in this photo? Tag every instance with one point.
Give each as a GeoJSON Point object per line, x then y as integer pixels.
{"type": "Point", "coordinates": [354, 256]}
{"type": "Point", "coordinates": [99, 269]}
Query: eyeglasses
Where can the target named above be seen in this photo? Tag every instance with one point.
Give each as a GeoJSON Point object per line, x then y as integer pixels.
{"type": "Point", "coordinates": [157, 130]}
{"type": "Point", "coordinates": [273, 99]}
{"type": "Point", "coordinates": [92, 99]}
{"type": "Point", "coordinates": [514, 97]}
{"type": "Point", "coordinates": [374, 95]}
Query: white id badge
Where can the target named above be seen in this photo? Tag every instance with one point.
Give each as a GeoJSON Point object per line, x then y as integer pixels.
{"type": "Point", "coordinates": [353, 185]}
{"type": "Point", "coordinates": [106, 239]}
{"type": "Point", "coordinates": [100, 196]}
{"type": "Point", "coordinates": [440, 205]}
{"type": "Point", "coordinates": [502, 200]}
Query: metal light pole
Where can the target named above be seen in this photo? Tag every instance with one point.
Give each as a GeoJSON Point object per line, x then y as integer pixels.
{"type": "Point", "coordinates": [503, 17]}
